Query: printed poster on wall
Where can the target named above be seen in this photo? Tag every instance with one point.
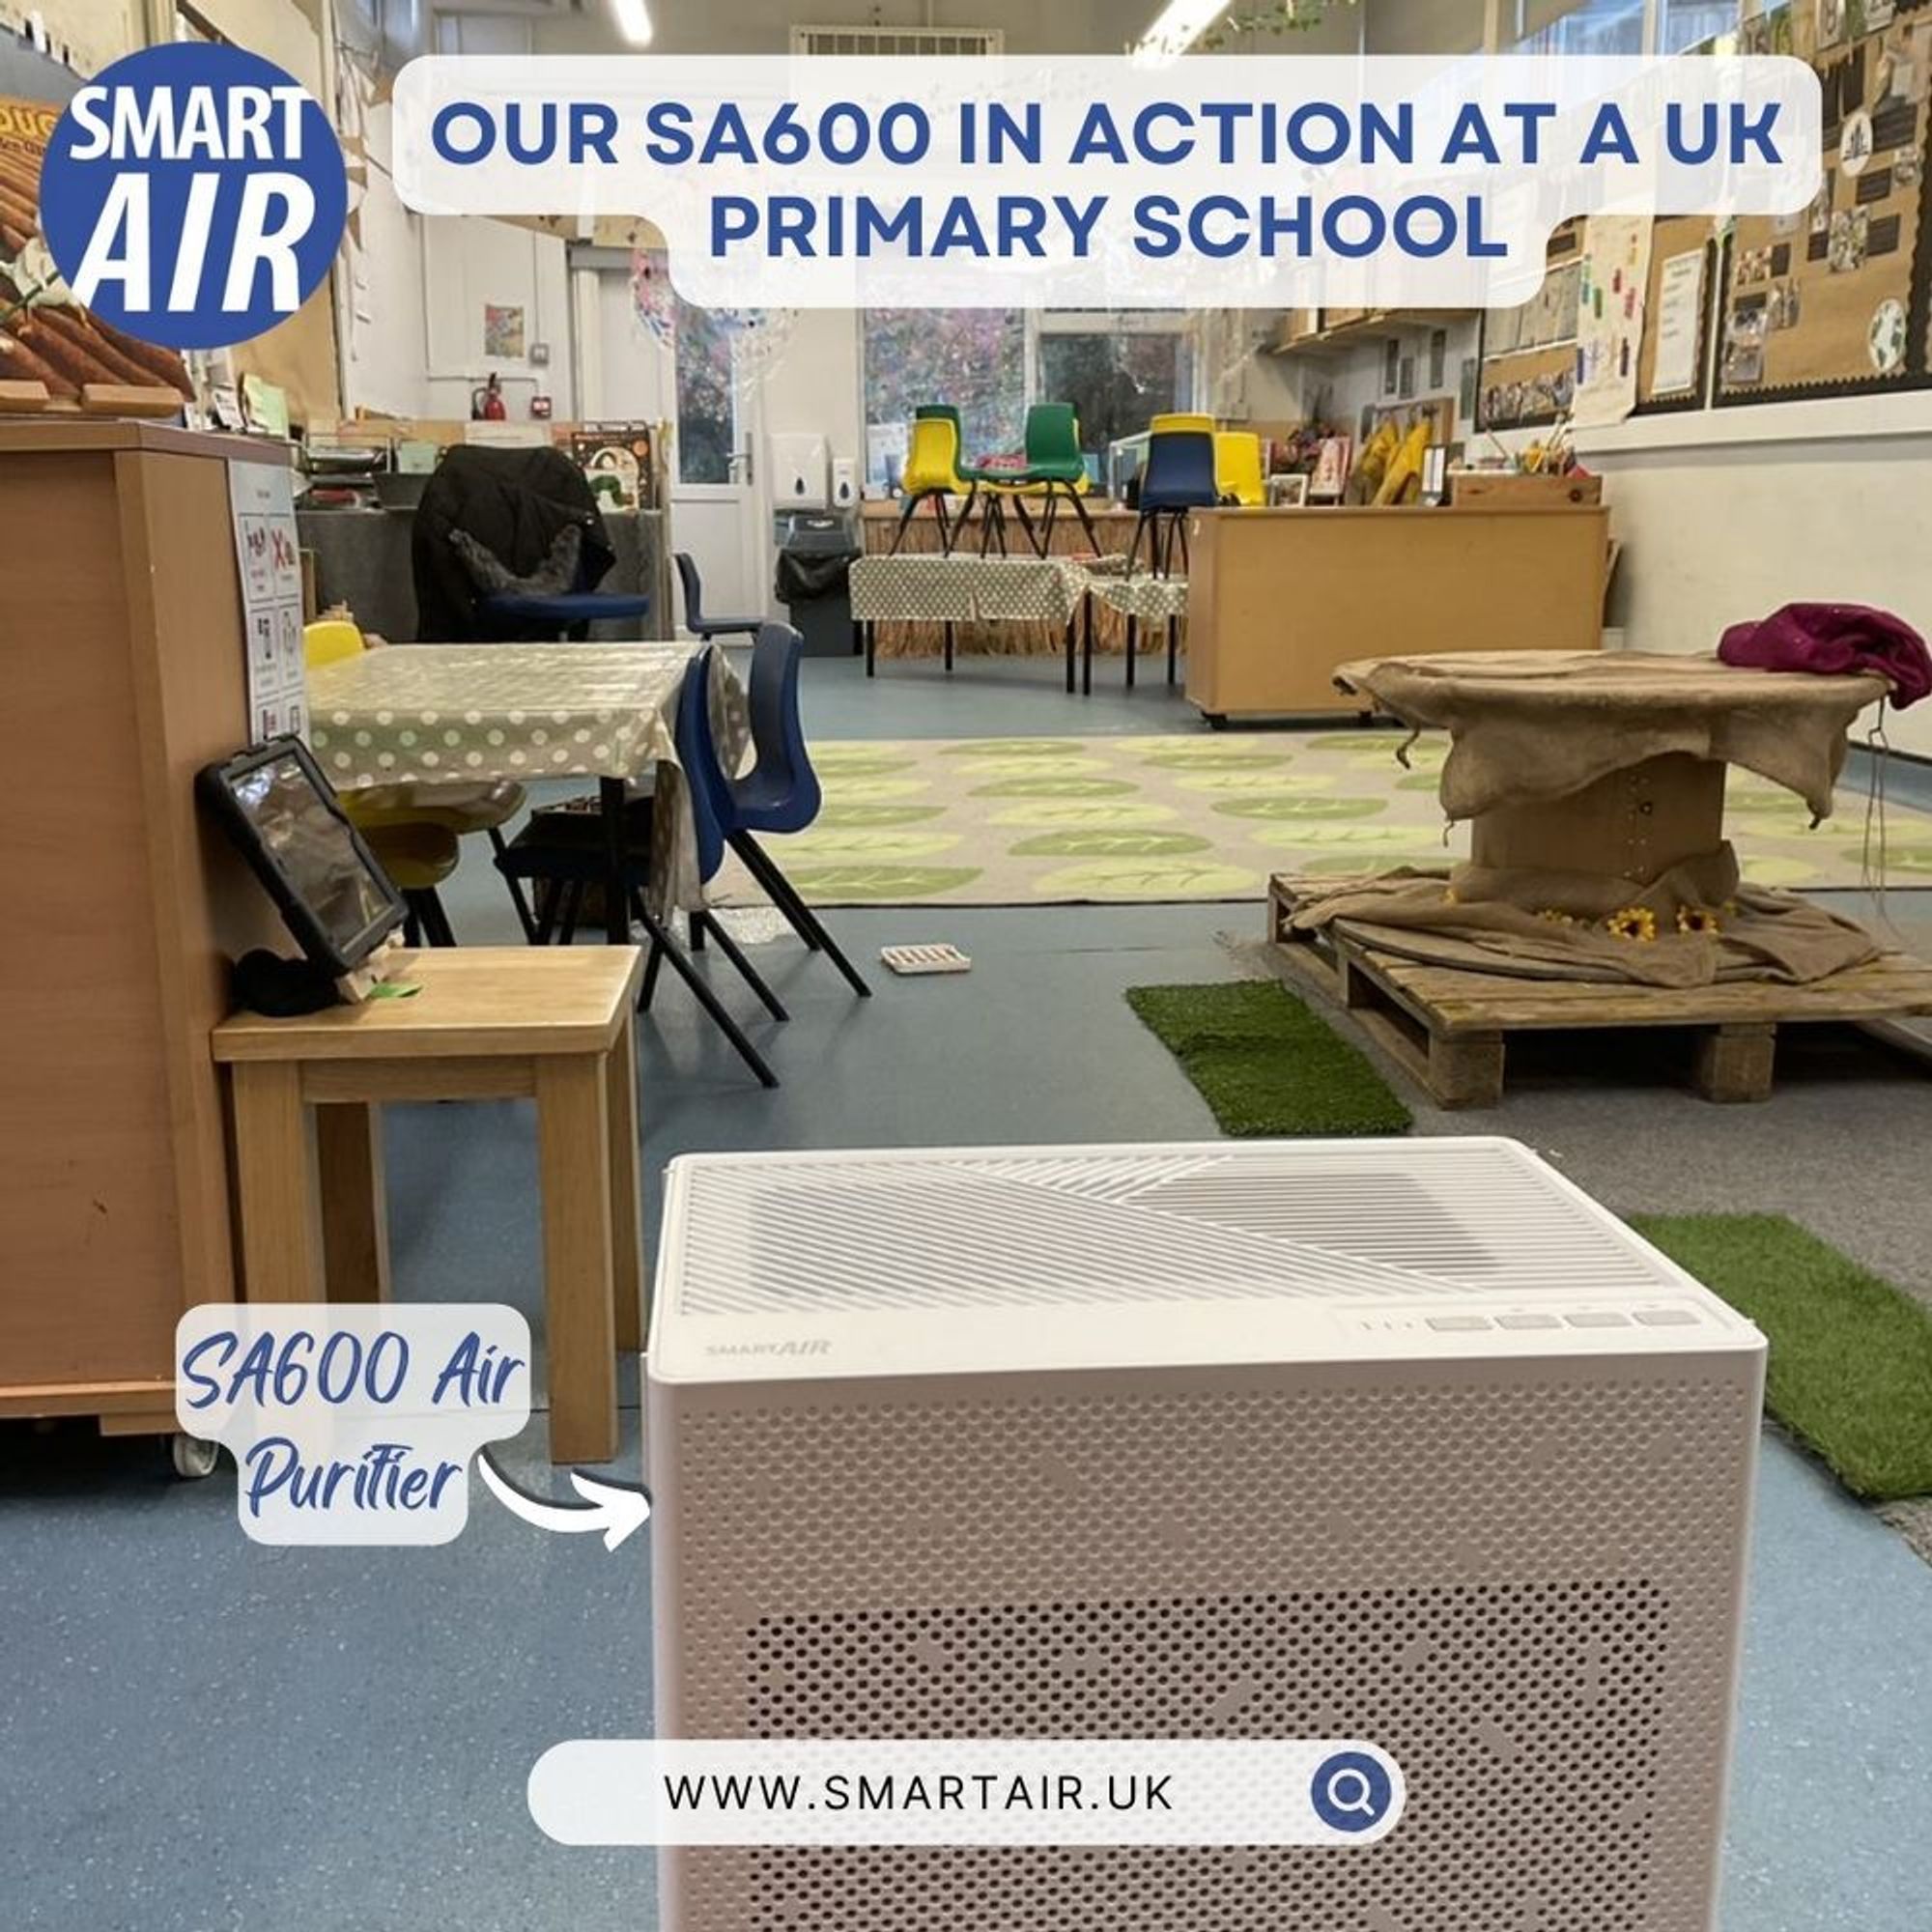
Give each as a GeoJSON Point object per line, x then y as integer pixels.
{"type": "Point", "coordinates": [1610, 316]}
{"type": "Point", "coordinates": [261, 497]}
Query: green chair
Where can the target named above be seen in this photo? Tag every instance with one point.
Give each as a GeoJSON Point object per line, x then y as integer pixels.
{"type": "Point", "coordinates": [1054, 466]}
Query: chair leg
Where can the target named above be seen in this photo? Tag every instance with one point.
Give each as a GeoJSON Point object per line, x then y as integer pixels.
{"type": "Point", "coordinates": [499, 845]}
{"type": "Point", "coordinates": [653, 959]}
{"type": "Point", "coordinates": [1046, 533]}
{"type": "Point", "coordinates": [1140, 530]}
{"type": "Point", "coordinates": [1133, 648]}
{"type": "Point", "coordinates": [413, 936]}
{"type": "Point", "coordinates": [1173, 645]}
{"type": "Point", "coordinates": [747, 971]}
{"type": "Point", "coordinates": [1086, 521]}
{"type": "Point", "coordinates": [1028, 526]}
{"type": "Point", "coordinates": [906, 513]}
{"type": "Point", "coordinates": [697, 933]}
{"type": "Point", "coordinates": [661, 942]}
{"type": "Point", "coordinates": [945, 529]}
{"type": "Point", "coordinates": [433, 919]}
{"type": "Point", "coordinates": [803, 921]}
{"type": "Point", "coordinates": [573, 906]}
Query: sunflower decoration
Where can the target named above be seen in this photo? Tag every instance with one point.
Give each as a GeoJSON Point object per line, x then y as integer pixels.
{"type": "Point", "coordinates": [1632, 921]}
{"type": "Point", "coordinates": [1698, 919]}
{"type": "Point", "coordinates": [1556, 915]}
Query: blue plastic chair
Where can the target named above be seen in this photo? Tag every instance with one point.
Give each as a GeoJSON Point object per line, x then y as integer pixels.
{"type": "Point", "coordinates": [562, 852]}
{"type": "Point", "coordinates": [695, 621]}
{"type": "Point", "coordinates": [780, 793]}
{"type": "Point", "coordinates": [1179, 477]}
{"type": "Point", "coordinates": [564, 613]}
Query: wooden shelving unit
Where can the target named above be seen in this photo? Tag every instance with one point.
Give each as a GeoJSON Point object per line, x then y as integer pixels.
{"type": "Point", "coordinates": [1341, 336]}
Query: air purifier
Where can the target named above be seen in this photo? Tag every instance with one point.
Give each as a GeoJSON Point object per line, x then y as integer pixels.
{"type": "Point", "coordinates": [1407, 1442]}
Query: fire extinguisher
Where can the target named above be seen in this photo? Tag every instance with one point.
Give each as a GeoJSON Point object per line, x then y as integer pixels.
{"type": "Point", "coordinates": [486, 404]}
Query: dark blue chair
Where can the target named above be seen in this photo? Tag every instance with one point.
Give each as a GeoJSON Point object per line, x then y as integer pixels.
{"type": "Point", "coordinates": [780, 793]}
{"type": "Point", "coordinates": [562, 853]}
{"type": "Point", "coordinates": [564, 613]}
{"type": "Point", "coordinates": [1178, 478]}
{"type": "Point", "coordinates": [710, 629]}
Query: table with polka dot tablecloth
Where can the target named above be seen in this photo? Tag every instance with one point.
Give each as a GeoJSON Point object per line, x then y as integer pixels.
{"type": "Point", "coordinates": [424, 714]}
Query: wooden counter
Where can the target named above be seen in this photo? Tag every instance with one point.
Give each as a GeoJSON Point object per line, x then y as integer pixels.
{"type": "Point", "coordinates": [1279, 598]}
{"type": "Point", "coordinates": [123, 673]}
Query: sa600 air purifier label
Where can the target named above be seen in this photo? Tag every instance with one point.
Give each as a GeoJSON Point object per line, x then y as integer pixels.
{"type": "Point", "coordinates": [1340, 1792]}
{"type": "Point", "coordinates": [351, 1424]}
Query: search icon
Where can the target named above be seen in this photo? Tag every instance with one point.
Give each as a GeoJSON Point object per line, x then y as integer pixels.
{"type": "Point", "coordinates": [1351, 1791]}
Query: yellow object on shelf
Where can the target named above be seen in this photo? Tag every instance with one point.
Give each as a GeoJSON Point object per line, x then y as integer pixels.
{"type": "Point", "coordinates": [1238, 468]}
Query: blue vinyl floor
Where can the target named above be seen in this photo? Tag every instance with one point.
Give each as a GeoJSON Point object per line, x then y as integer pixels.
{"type": "Point", "coordinates": [205, 1736]}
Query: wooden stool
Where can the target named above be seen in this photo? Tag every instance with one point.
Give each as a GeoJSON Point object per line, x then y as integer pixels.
{"type": "Point", "coordinates": [488, 1023]}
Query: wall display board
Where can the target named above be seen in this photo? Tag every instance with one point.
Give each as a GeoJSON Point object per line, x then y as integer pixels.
{"type": "Point", "coordinates": [1612, 308]}
{"type": "Point", "coordinates": [1832, 302]}
{"type": "Point", "coordinates": [1674, 359]}
{"type": "Point", "coordinates": [1529, 353]}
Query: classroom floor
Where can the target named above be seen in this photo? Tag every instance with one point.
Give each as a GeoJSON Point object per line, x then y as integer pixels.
{"type": "Point", "coordinates": [206, 1736]}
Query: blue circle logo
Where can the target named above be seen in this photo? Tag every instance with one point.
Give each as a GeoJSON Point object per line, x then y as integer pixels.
{"type": "Point", "coordinates": [193, 196]}
{"type": "Point", "coordinates": [1351, 1791]}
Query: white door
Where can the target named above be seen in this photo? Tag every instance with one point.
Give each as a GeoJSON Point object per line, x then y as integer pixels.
{"type": "Point", "coordinates": [718, 498]}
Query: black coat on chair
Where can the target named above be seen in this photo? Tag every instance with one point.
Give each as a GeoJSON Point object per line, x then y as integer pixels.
{"type": "Point", "coordinates": [513, 502]}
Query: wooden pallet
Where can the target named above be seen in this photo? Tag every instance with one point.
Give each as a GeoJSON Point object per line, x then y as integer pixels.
{"type": "Point", "coordinates": [1446, 1026]}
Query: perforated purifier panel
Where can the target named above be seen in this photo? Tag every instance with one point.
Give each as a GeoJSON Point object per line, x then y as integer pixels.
{"type": "Point", "coordinates": [925, 1230]}
{"type": "Point", "coordinates": [1522, 1582]}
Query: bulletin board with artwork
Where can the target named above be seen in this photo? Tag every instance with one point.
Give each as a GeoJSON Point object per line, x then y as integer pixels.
{"type": "Point", "coordinates": [1832, 302]}
{"type": "Point", "coordinates": [1673, 360]}
{"type": "Point", "coordinates": [1528, 353]}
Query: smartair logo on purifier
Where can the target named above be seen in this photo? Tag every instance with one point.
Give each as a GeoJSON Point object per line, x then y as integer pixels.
{"type": "Point", "coordinates": [814, 1347]}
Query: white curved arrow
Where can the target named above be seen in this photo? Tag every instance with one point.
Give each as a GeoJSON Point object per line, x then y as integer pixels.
{"type": "Point", "coordinates": [617, 1509]}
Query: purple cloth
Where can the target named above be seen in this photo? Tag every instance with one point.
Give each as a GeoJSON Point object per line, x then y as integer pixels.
{"type": "Point", "coordinates": [1832, 639]}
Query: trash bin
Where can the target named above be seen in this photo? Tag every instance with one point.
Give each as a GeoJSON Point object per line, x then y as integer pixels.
{"type": "Point", "coordinates": [813, 582]}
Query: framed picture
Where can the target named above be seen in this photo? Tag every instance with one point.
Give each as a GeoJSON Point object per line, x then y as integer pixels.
{"type": "Point", "coordinates": [1287, 493]}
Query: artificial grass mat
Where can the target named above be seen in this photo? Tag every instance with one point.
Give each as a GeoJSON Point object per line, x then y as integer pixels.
{"type": "Point", "coordinates": [1851, 1355]}
{"type": "Point", "coordinates": [1265, 1064]}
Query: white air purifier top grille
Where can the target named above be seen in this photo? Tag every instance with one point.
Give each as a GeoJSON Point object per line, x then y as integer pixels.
{"type": "Point", "coordinates": [779, 1265]}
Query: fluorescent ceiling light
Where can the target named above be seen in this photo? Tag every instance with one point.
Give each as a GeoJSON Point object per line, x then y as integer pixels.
{"type": "Point", "coordinates": [633, 21]}
{"type": "Point", "coordinates": [1180, 24]}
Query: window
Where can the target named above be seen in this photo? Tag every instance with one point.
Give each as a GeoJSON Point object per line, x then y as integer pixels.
{"type": "Point", "coordinates": [1684, 24]}
{"type": "Point", "coordinates": [974, 358]}
{"type": "Point", "coordinates": [1117, 370]}
{"type": "Point", "coordinates": [1118, 374]}
{"type": "Point", "coordinates": [707, 398]}
{"type": "Point", "coordinates": [1578, 27]}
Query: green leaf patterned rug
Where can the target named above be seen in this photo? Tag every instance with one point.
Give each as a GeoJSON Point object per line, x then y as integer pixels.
{"type": "Point", "coordinates": [1124, 820]}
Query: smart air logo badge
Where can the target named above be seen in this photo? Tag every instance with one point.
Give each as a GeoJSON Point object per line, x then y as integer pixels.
{"type": "Point", "coordinates": [193, 196]}
{"type": "Point", "coordinates": [801, 1347]}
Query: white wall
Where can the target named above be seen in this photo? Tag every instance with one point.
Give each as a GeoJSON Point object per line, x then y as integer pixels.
{"type": "Point", "coordinates": [1715, 534]}
{"type": "Point", "coordinates": [469, 261]}
{"type": "Point", "coordinates": [381, 309]}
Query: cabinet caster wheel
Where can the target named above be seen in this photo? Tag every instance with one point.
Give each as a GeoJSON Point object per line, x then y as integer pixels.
{"type": "Point", "coordinates": [192, 1458]}
{"type": "Point", "coordinates": [1217, 721]}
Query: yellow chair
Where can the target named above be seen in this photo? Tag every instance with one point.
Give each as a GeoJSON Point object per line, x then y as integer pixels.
{"type": "Point", "coordinates": [425, 814]}
{"type": "Point", "coordinates": [1181, 422]}
{"type": "Point", "coordinates": [418, 858]}
{"type": "Point", "coordinates": [1238, 468]}
{"type": "Point", "coordinates": [932, 471]}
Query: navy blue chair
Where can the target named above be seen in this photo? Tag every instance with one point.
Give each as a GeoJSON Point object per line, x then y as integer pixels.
{"type": "Point", "coordinates": [710, 629]}
{"type": "Point", "coordinates": [562, 853]}
{"type": "Point", "coordinates": [780, 793]}
{"type": "Point", "coordinates": [563, 614]}
{"type": "Point", "coordinates": [1179, 477]}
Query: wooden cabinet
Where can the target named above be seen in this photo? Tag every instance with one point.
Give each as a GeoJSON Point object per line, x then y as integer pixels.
{"type": "Point", "coordinates": [122, 673]}
{"type": "Point", "coordinates": [1278, 598]}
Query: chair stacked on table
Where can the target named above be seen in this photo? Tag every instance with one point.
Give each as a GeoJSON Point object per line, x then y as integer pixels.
{"type": "Point", "coordinates": [562, 852]}
{"type": "Point", "coordinates": [1051, 468]}
{"type": "Point", "coordinates": [1178, 478]}
{"type": "Point", "coordinates": [413, 830]}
